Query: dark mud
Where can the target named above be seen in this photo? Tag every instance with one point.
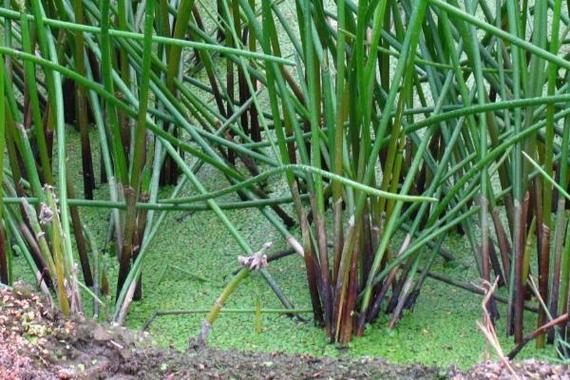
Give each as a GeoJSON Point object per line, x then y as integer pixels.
{"type": "Point", "coordinates": [37, 343]}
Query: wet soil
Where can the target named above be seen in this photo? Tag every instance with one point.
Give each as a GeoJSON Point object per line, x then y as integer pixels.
{"type": "Point", "coordinates": [36, 342]}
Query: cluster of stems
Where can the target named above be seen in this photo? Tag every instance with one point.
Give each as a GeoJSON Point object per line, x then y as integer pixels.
{"type": "Point", "coordinates": [393, 123]}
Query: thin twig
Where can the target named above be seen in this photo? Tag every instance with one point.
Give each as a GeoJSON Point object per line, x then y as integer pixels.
{"type": "Point", "coordinates": [539, 331]}
{"type": "Point", "coordinates": [488, 328]}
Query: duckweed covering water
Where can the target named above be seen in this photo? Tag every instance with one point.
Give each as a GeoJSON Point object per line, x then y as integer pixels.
{"type": "Point", "coordinates": [192, 258]}
{"type": "Point", "coordinates": [441, 330]}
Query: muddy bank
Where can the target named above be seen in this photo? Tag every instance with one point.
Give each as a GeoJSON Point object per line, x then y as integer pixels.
{"type": "Point", "coordinates": [37, 343]}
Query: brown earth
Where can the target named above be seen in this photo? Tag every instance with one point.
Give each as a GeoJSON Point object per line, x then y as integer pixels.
{"type": "Point", "coordinates": [37, 343]}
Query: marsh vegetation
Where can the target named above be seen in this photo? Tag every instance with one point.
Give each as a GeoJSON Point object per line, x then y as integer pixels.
{"type": "Point", "coordinates": [319, 162]}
